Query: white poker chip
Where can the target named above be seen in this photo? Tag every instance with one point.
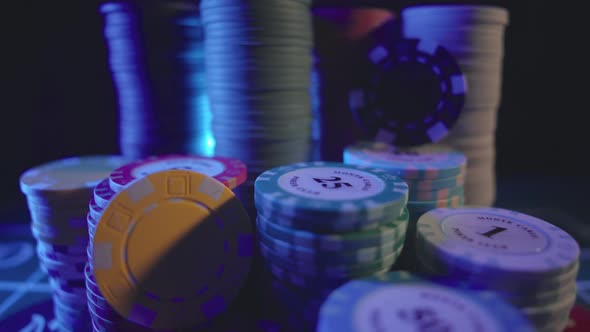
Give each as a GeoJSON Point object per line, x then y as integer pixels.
{"type": "Point", "coordinates": [498, 242]}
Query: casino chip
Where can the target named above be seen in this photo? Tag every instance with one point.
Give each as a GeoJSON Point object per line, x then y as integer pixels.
{"type": "Point", "coordinates": [434, 174]}
{"type": "Point", "coordinates": [528, 261]}
{"type": "Point", "coordinates": [338, 196]}
{"type": "Point", "coordinates": [400, 301]}
{"type": "Point", "coordinates": [411, 92]}
{"type": "Point", "coordinates": [419, 163]}
{"type": "Point", "coordinates": [134, 255]}
{"type": "Point", "coordinates": [57, 196]}
{"type": "Point", "coordinates": [393, 231]}
{"type": "Point", "coordinates": [230, 172]}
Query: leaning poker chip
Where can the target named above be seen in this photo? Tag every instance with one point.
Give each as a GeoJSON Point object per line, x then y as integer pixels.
{"type": "Point", "coordinates": [136, 251]}
{"type": "Point", "coordinates": [498, 242]}
{"type": "Point", "coordinates": [400, 301]}
{"type": "Point", "coordinates": [230, 172]}
{"type": "Point", "coordinates": [67, 176]}
{"type": "Point", "coordinates": [408, 163]}
{"type": "Point", "coordinates": [393, 231]}
{"type": "Point", "coordinates": [331, 192]}
{"type": "Point", "coordinates": [413, 92]}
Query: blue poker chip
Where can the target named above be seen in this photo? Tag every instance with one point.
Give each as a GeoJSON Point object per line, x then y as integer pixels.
{"type": "Point", "coordinates": [334, 193]}
{"type": "Point", "coordinates": [424, 162]}
{"type": "Point", "coordinates": [411, 92]}
{"type": "Point", "coordinates": [401, 301]}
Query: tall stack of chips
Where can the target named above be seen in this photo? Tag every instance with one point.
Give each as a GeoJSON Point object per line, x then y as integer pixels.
{"type": "Point", "coordinates": [321, 224]}
{"type": "Point", "coordinates": [156, 57]}
{"type": "Point", "coordinates": [141, 181]}
{"type": "Point", "coordinates": [434, 176]}
{"type": "Point", "coordinates": [401, 301]}
{"type": "Point", "coordinates": [474, 35]}
{"type": "Point", "coordinates": [258, 64]}
{"type": "Point", "coordinates": [57, 195]}
{"type": "Point", "coordinates": [527, 261]}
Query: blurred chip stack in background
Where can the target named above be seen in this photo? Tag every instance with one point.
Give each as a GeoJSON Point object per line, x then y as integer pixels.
{"type": "Point", "coordinates": [155, 54]}
{"type": "Point", "coordinates": [258, 63]}
{"type": "Point", "coordinates": [474, 35]}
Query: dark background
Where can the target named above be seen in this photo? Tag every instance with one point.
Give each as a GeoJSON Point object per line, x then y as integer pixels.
{"type": "Point", "coordinates": [58, 99]}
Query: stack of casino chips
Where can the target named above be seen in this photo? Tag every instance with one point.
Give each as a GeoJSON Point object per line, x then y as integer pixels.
{"type": "Point", "coordinates": [434, 176]}
{"type": "Point", "coordinates": [527, 261]}
{"type": "Point", "coordinates": [320, 224]}
{"type": "Point", "coordinates": [402, 301]}
{"type": "Point", "coordinates": [474, 35]}
{"type": "Point", "coordinates": [151, 190]}
{"type": "Point", "coordinates": [258, 64]}
{"type": "Point", "coordinates": [57, 196]}
{"type": "Point", "coordinates": [156, 58]}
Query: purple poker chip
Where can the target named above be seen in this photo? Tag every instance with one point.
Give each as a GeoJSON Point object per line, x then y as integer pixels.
{"type": "Point", "coordinates": [94, 210]}
{"type": "Point", "coordinates": [103, 193]}
{"type": "Point", "coordinates": [230, 172]}
{"type": "Point", "coordinates": [46, 251]}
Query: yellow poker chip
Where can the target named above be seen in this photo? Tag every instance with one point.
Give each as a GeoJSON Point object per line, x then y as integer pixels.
{"type": "Point", "coordinates": [172, 250]}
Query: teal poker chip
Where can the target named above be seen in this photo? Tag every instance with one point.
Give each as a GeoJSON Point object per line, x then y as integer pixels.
{"type": "Point", "coordinates": [418, 163]}
{"type": "Point", "coordinates": [331, 192]}
{"type": "Point", "coordinates": [498, 243]}
{"type": "Point", "coordinates": [312, 224]}
{"type": "Point", "coordinates": [436, 184]}
{"type": "Point", "coordinates": [334, 271]}
{"type": "Point", "coordinates": [401, 301]}
{"type": "Point", "coordinates": [391, 231]}
{"type": "Point", "coordinates": [435, 195]}
{"type": "Point", "coordinates": [309, 257]}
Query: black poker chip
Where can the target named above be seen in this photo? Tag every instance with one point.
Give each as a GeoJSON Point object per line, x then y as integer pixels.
{"type": "Point", "coordinates": [409, 92]}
